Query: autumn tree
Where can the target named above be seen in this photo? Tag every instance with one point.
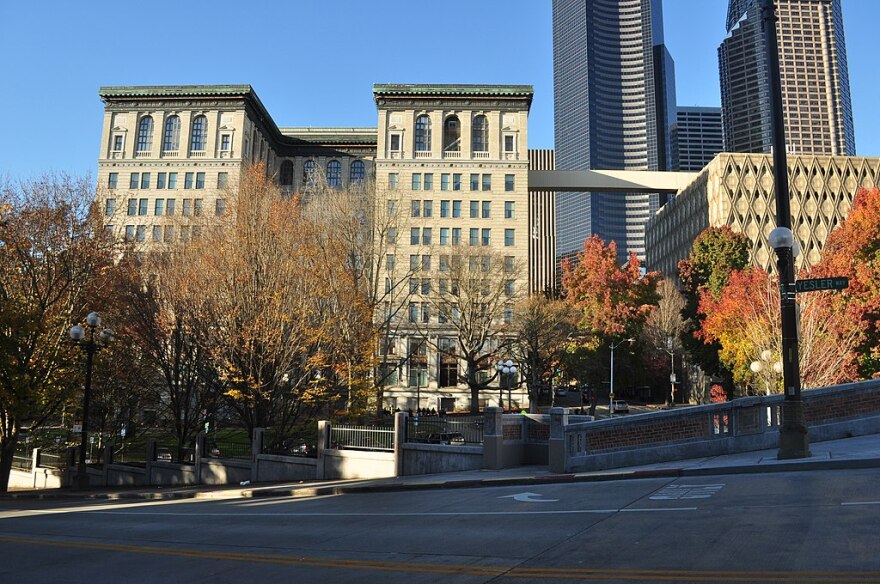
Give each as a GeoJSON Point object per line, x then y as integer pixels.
{"type": "Point", "coordinates": [613, 301]}
{"type": "Point", "coordinates": [716, 252]}
{"type": "Point", "coordinates": [664, 326]}
{"type": "Point", "coordinates": [54, 266]}
{"type": "Point", "coordinates": [541, 328]}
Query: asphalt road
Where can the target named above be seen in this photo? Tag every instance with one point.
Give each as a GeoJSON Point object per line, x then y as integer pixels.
{"type": "Point", "coordinates": [800, 527]}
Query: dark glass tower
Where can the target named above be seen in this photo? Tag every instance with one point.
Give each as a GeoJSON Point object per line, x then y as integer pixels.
{"type": "Point", "coordinates": [813, 75]}
{"type": "Point", "coordinates": [614, 98]}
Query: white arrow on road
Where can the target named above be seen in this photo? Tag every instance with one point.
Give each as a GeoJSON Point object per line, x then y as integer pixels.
{"type": "Point", "coordinates": [528, 498]}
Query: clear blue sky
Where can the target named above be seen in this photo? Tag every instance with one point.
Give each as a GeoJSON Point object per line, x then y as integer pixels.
{"type": "Point", "coordinates": [314, 62]}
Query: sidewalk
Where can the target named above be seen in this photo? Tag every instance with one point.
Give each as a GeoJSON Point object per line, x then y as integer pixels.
{"type": "Point", "coordinates": [849, 453]}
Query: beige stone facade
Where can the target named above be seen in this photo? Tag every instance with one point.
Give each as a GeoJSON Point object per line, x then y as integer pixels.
{"type": "Point", "coordinates": [738, 190]}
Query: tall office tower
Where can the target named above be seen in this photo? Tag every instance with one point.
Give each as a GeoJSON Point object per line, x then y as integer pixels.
{"type": "Point", "coordinates": [697, 137]}
{"type": "Point", "coordinates": [813, 75]}
{"type": "Point", "coordinates": [542, 228]}
{"type": "Point", "coordinates": [614, 98]}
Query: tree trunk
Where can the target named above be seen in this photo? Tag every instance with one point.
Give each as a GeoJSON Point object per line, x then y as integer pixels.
{"type": "Point", "coordinates": [7, 451]}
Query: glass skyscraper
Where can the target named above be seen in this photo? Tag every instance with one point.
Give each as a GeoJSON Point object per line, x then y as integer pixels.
{"type": "Point", "coordinates": [614, 99]}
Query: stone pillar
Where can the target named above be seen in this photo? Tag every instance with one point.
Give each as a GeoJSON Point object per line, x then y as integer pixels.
{"type": "Point", "coordinates": [399, 439]}
{"type": "Point", "coordinates": [493, 438]}
{"type": "Point", "coordinates": [149, 459]}
{"type": "Point", "coordinates": [108, 460]}
{"type": "Point", "coordinates": [323, 444]}
{"type": "Point", "coordinates": [71, 458]}
{"type": "Point", "coordinates": [199, 453]}
{"type": "Point", "coordinates": [256, 451]}
{"type": "Point", "coordinates": [557, 454]}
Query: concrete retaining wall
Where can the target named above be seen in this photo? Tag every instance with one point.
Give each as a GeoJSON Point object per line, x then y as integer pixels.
{"type": "Point", "coordinates": [271, 468]}
{"type": "Point", "coordinates": [219, 471]}
{"type": "Point", "coordinates": [358, 464]}
{"type": "Point", "coordinates": [436, 458]}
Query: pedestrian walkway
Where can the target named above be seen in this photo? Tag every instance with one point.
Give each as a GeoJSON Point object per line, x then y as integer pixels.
{"type": "Point", "coordinates": [848, 453]}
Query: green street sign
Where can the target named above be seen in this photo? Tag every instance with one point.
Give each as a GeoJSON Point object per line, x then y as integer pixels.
{"type": "Point", "coordinates": [837, 283]}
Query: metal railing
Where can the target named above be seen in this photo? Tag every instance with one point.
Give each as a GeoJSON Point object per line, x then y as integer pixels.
{"type": "Point", "coordinates": [362, 437]}
{"type": "Point", "coordinates": [227, 449]}
{"type": "Point", "coordinates": [450, 429]}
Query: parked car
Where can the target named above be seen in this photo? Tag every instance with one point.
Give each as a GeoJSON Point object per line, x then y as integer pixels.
{"type": "Point", "coordinates": [164, 454]}
{"type": "Point", "coordinates": [619, 406]}
{"type": "Point", "coordinates": [452, 438]}
{"type": "Point", "coordinates": [561, 391]}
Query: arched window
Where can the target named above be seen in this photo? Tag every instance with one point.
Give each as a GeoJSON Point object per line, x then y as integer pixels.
{"type": "Point", "coordinates": [172, 134]}
{"type": "Point", "coordinates": [452, 134]}
{"type": "Point", "coordinates": [358, 171]}
{"type": "Point", "coordinates": [285, 176]}
{"type": "Point", "coordinates": [423, 133]}
{"type": "Point", "coordinates": [334, 173]}
{"type": "Point", "coordinates": [480, 134]}
{"type": "Point", "coordinates": [309, 173]}
{"type": "Point", "coordinates": [145, 134]}
{"type": "Point", "coordinates": [199, 138]}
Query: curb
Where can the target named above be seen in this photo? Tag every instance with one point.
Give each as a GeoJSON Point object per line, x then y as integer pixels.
{"type": "Point", "coordinates": [306, 492]}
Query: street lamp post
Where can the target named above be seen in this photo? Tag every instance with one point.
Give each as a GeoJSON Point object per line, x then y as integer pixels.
{"type": "Point", "coordinates": [611, 394]}
{"type": "Point", "coordinates": [758, 366]}
{"type": "Point", "coordinates": [85, 338]}
{"type": "Point", "coordinates": [670, 344]}
{"type": "Point", "coordinates": [505, 370]}
{"type": "Point", "coordinates": [793, 439]}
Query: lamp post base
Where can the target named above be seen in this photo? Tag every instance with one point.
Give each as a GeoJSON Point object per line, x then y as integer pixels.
{"type": "Point", "coordinates": [794, 442]}
{"type": "Point", "coordinates": [81, 479]}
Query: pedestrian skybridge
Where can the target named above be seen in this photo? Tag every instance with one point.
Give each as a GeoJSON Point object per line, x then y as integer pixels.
{"type": "Point", "coordinates": [609, 181]}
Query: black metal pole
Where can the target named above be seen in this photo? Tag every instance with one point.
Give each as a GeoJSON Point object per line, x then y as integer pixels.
{"type": "Point", "coordinates": [82, 478]}
{"type": "Point", "coordinates": [793, 439]}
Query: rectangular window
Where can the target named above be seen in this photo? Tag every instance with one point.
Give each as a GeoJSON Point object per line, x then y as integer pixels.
{"type": "Point", "coordinates": [426, 236]}
{"type": "Point", "coordinates": [416, 181]}
{"type": "Point", "coordinates": [509, 209]}
{"type": "Point", "coordinates": [426, 286]}
{"type": "Point", "coordinates": [391, 207]}
{"type": "Point", "coordinates": [414, 263]}
{"type": "Point", "coordinates": [414, 286]}
{"type": "Point", "coordinates": [475, 236]}
{"type": "Point", "coordinates": [429, 181]}
{"type": "Point", "coordinates": [184, 233]}
{"type": "Point", "coordinates": [188, 180]}
{"type": "Point", "coordinates": [508, 316]}
{"type": "Point", "coordinates": [157, 233]}
{"type": "Point", "coordinates": [456, 236]}
{"type": "Point", "coordinates": [222, 180]}
{"type": "Point", "coordinates": [508, 288]}
{"type": "Point", "coordinates": [160, 180]}
{"type": "Point", "coordinates": [187, 207]}
{"type": "Point", "coordinates": [159, 207]}
{"type": "Point", "coordinates": [132, 207]}
{"type": "Point", "coordinates": [225, 142]}
{"type": "Point", "coordinates": [444, 263]}
{"type": "Point", "coordinates": [444, 181]}
{"type": "Point", "coordinates": [487, 182]}
{"type": "Point", "coordinates": [395, 142]}
{"type": "Point", "coordinates": [134, 180]}
{"type": "Point", "coordinates": [129, 233]}
{"type": "Point", "coordinates": [145, 180]}
{"type": "Point", "coordinates": [475, 182]}
{"type": "Point", "coordinates": [414, 236]}
{"type": "Point", "coordinates": [112, 180]}
{"type": "Point", "coordinates": [443, 286]}
{"type": "Point", "coordinates": [509, 183]}
{"type": "Point", "coordinates": [415, 209]}
{"type": "Point", "coordinates": [509, 143]}
{"type": "Point", "coordinates": [198, 206]}
{"type": "Point", "coordinates": [456, 209]}
{"type": "Point", "coordinates": [413, 312]}
{"type": "Point", "coordinates": [200, 180]}
{"type": "Point", "coordinates": [109, 207]}
{"type": "Point", "coordinates": [220, 207]}
{"type": "Point", "coordinates": [391, 235]}
{"type": "Point", "coordinates": [169, 233]}
{"type": "Point", "coordinates": [444, 209]}
{"type": "Point", "coordinates": [425, 315]}
{"type": "Point", "coordinates": [427, 208]}
{"type": "Point", "coordinates": [486, 234]}
{"type": "Point", "coordinates": [389, 262]}
{"type": "Point", "coordinates": [426, 263]}
{"type": "Point", "coordinates": [485, 263]}
{"type": "Point", "coordinates": [393, 179]}
{"type": "Point", "coordinates": [509, 239]}
{"type": "Point", "coordinates": [456, 182]}
{"type": "Point", "coordinates": [170, 204]}
{"type": "Point", "coordinates": [143, 205]}
{"type": "Point", "coordinates": [141, 234]}
{"type": "Point", "coordinates": [475, 209]}
{"type": "Point", "coordinates": [444, 236]}
{"type": "Point", "coordinates": [172, 180]}
{"type": "Point", "coordinates": [487, 209]}
{"type": "Point", "coordinates": [117, 143]}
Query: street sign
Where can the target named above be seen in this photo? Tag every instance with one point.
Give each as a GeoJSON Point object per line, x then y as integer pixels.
{"type": "Point", "coordinates": [77, 427]}
{"type": "Point", "coordinates": [836, 283]}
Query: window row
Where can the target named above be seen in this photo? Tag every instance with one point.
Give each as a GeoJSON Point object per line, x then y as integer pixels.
{"type": "Point", "coordinates": [452, 208]}
{"type": "Point", "coordinates": [450, 181]}
{"type": "Point", "coordinates": [475, 263]}
{"type": "Point", "coordinates": [421, 312]}
{"type": "Point", "coordinates": [164, 207]}
{"type": "Point", "coordinates": [166, 180]}
{"type": "Point", "coordinates": [159, 233]}
{"type": "Point", "coordinates": [424, 286]}
{"type": "Point", "coordinates": [452, 236]}
{"type": "Point", "coordinates": [198, 136]}
{"type": "Point", "coordinates": [333, 170]}
{"type": "Point", "coordinates": [451, 136]}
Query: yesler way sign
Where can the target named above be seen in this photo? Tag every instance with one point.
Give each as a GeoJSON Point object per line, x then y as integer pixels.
{"type": "Point", "coordinates": [837, 283]}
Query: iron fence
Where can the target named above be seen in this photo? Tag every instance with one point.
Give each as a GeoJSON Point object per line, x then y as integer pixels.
{"type": "Point", "coordinates": [362, 437]}
{"type": "Point", "coordinates": [290, 443]}
{"type": "Point", "coordinates": [228, 449]}
{"type": "Point", "coordinates": [449, 429]}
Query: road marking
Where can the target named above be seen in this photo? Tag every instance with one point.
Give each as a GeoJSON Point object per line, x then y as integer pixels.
{"type": "Point", "coordinates": [521, 572]}
{"type": "Point", "coordinates": [862, 503]}
{"type": "Point", "coordinates": [676, 492]}
{"type": "Point", "coordinates": [529, 498]}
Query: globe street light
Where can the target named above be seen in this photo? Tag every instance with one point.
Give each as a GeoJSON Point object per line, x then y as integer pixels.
{"type": "Point", "coordinates": [758, 366]}
{"type": "Point", "coordinates": [505, 370]}
{"type": "Point", "coordinates": [86, 339]}
{"type": "Point", "coordinates": [611, 395]}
